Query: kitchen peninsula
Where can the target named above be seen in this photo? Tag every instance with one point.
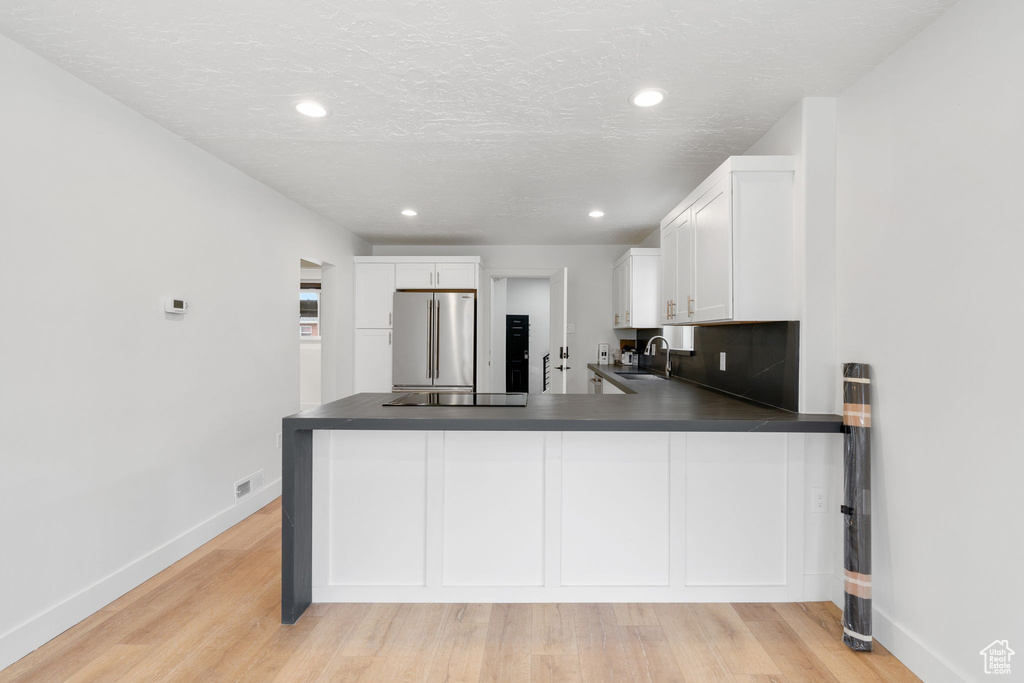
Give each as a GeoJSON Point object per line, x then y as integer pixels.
{"type": "Point", "coordinates": [670, 492]}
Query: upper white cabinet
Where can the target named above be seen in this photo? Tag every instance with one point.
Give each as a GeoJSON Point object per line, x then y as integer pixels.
{"type": "Point", "coordinates": [456, 275]}
{"type": "Point", "coordinates": [436, 275]}
{"type": "Point", "coordinates": [635, 289]}
{"type": "Point", "coordinates": [375, 285]}
{"type": "Point", "coordinates": [727, 249]}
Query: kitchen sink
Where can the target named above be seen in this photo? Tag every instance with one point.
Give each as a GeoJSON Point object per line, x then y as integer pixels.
{"type": "Point", "coordinates": [630, 376]}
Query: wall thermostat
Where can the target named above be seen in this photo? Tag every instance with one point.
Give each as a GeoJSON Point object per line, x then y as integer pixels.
{"type": "Point", "coordinates": [175, 306]}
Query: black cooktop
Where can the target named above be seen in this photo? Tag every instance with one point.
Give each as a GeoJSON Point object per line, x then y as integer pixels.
{"type": "Point", "coordinates": [464, 399]}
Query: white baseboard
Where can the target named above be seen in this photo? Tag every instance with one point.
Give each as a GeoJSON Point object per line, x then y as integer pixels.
{"type": "Point", "coordinates": [23, 639]}
{"type": "Point", "coordinates": [915, 655]}
{"type": "Point", "coordinates": [907, 648]}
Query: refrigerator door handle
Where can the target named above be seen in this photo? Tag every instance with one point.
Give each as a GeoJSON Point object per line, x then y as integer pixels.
{"type": "Point", "coordinates": [430, 337]}
{"type": "Point", "coordinates": [437, 341]}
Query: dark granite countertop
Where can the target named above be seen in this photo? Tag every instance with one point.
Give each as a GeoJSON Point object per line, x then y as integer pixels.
{"type": "Point", "coordinates": [653, 406]}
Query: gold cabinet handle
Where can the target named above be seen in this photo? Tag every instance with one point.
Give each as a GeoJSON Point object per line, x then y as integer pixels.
{"type": "Point", "coordinates": [689, 306]}
{"type": "Point", "coordinates": [627, 318]}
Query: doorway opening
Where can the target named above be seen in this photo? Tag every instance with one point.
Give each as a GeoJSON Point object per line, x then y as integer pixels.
{"type": "Point", "coordinates": [310, 334]}
{"type": "Point", "coordinates": [521, 333]}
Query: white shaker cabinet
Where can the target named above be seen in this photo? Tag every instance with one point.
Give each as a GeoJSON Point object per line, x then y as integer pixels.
{"type": "Point", "coordinates": [435, 276]}
{"type": "Point", "coordinates": [373, 361]}
{"type": "Point", "coordinates": [635, 289]}
{"type": "Point", "coordinates": [374, 290]}
{"type": "Point", "coordinates": [414, 275]}
{"type": "Point", "coordinates": [676, 271]}
{"type": "Point", "coordinates": [727, 249]}
{"type": "Point", "coordinates": [455, 275]}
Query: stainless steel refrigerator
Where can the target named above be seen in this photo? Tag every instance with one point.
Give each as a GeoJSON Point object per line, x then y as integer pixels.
{"type": "Point", "coordinates": [435, 341]}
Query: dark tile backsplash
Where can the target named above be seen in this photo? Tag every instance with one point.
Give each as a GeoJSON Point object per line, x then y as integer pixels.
{"type": "Point", "coordinates": [762, 361]}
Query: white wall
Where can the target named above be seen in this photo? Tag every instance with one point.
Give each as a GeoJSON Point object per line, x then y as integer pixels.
{"type": "Point", "coordinates": [929, 215]}
{"type": "Point", "coordinates": [590, 288]}
{"type": "Point", "coordinates": [532, 297]}
{"type": "Point", "coordinates": [122, 428]}
{"type": "Point", "coordinates": [808, 132]}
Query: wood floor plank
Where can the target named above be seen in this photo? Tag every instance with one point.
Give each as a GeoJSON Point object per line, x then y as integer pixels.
{"type": "Point", "coordinates": [756, 611]}
{"type": "Point", "coordinates": [761, 678]}
{"type": "Point", "coordinates": [508, 644]}
{"type": "Point", "coordinates": [189, 651]}
{"type": "Point", "coordinates": [879, 660]}
{"type": "Point", "coordinates": [470, 614]}
{"type": "Point", "coordinates": [460, 657]}
{"type": "Point", "coordinates": [649, 654]}
{"type": "Point", "coordinates": [795, 661]}
{"type": "Point", "coordinates": [811, 625]}
{"type": "Point", "coordinates": [376, 631]}
{"type": "Point", "coordinates": [62, 663]}
{"type": "Point", "coordinates": [222, 656]}
{"type": "Point", "coordinates": [33, 661]}
{"type": "Point", "coordinates": [235, 658]}
{"type": "Point", "coordinates": [742, 653]}
{"type": "Point", "coordinates": [601, 651]}
{"type": "Point", "coordinates": [323, 643]}
{"type": "Point", "coordinates": [412, 653]}
{"type": "Point", "coordinates": [554, 630]}
{"type": "Point", "coordinates": [286, 641]}
{"type": "Point", "coordinates": [695, 652]}
{"type": "Point", "coordinates": [112, 665]}
{"type": "Point", "coordinates": [555, 669]}
{"type": "Point", "coordinates": [636, 614]}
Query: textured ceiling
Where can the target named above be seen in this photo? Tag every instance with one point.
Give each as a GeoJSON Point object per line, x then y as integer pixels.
{"type": "Point", "coordinates": [501, 122]}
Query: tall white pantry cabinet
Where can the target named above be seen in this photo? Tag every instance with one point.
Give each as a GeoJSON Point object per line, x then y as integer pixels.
{"type": "Point", "coordinates": [377, 278]}
{"type": "Point", "coordinates": [727, 249]}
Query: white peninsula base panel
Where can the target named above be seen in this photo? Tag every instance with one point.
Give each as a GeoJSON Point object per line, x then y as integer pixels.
{"type": "Point", "coordinates": [472, 516]}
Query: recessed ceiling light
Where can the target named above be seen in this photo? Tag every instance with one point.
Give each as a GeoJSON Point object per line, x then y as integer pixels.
{"type": "Point", "coordinates": [596, 213]}
{"type": "Point", "coordinates": [648, 97]}
{"type": "Point", "coordinates": [408, 212]}
{"type": "Point", "coordinates": [310, 108]}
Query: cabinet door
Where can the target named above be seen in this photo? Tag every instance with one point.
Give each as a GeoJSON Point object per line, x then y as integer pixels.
{"type": "Point", "coordinates": [414, 276]}
{"type": "Point", "coordinates": [712, 254]}
{"type": "Point", "coordinates": [618, 298]}
{"type": "Point", "coordinates": [375, 289]}
{"type": "Point", "coordinates": [373, 361]}
{"type": "Point", "coordinates": [626, 292]}
{"type": "Point", "coordinates": [643, 291]}
{"type": "Point", "coordinates": [668, 267]}
{"type": "Point", "coordinates": [455, 276]}
{"type": "Point", "coordinates": [682, 307]}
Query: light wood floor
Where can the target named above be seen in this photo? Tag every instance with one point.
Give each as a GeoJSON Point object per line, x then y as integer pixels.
{"type": "Point", "coordinates": [214, 616]}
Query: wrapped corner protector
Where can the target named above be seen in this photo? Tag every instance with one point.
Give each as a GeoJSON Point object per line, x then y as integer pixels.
{"type": "Point", "coordinates": [857, 506]}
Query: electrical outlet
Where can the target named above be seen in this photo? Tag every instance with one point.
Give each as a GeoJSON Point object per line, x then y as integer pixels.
{"type": "Point", "coordinates": [721, 361]}
{"type": "Point", "coordinates": [279, 439]}
{"type": "Point", "coordinates": [570, 328]}
{"type": "Point", "coordinates": [819, 500]}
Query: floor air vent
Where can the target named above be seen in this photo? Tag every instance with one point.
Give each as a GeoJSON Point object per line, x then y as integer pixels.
{"type": "Point", "coordinates": [248, 486]}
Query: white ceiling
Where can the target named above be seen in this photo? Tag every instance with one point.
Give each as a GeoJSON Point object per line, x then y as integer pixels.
{"type": "Point", "coordinates": [501, 122]}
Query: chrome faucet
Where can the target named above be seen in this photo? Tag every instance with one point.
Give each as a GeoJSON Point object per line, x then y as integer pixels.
{"type": "Point", "coordinates": [668, 353]}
